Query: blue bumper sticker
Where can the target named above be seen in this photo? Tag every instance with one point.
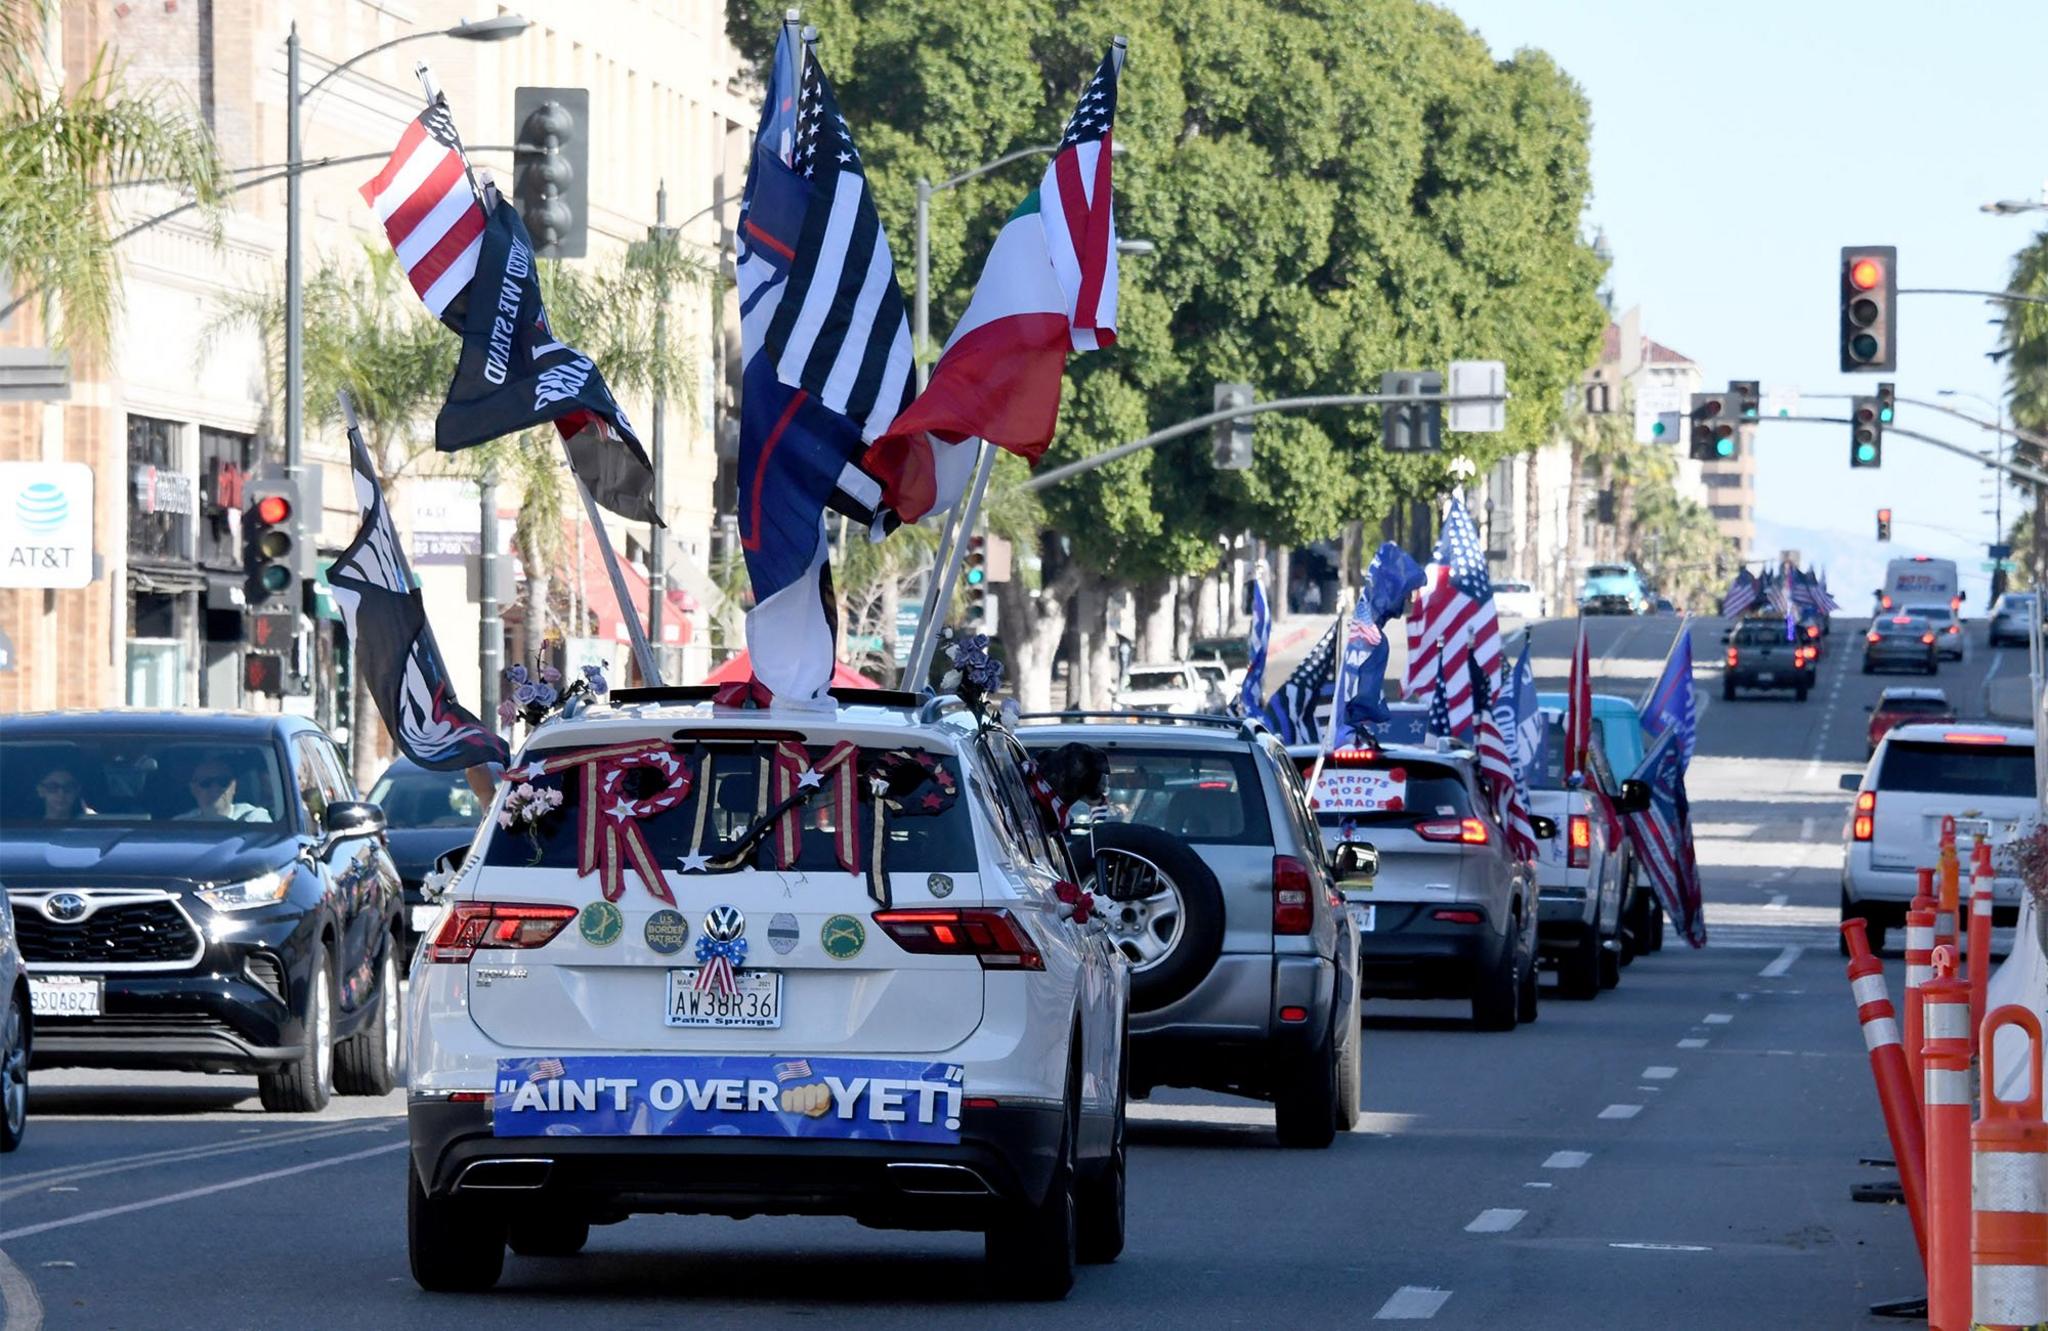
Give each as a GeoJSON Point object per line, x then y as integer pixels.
{"type": "Point", "coordinates": [843, 1099]}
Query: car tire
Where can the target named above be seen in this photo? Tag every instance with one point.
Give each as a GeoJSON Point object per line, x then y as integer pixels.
{"type": "Point", "coordinates": [1497, 1000]}
{"type": "Point", "coordinates": [453, 1245]}
{"type": "Point", "coordinates": [1350, 1080]}
{"type": "Point", "coordinates": [1101, 1207]}
{"type": "Point", "coordinates": [546, 1234]}
{"type": "Point", "coordinates": [305, 1085]}
{"type": "Point", "coordinates": [1578, 971]}
{"type": "Point", "coordinates": [1610, 967]}
{"type": "Point", "coordinates": [1799, 694]}
{"type": "Point", "coordinates": [1727, 690]}
{"type": "Point", "coordinates": [1529, 996]}
{"type": "Point", "coordinates": [14, 1052]}
{"type": "Point", "coordinates": [1869, 669]}
{"type": "Point", "coordinates": [1306, 1107]}
{"type": "Point", "coordinates": [1120, 860]}
{"type": "Point", "coordinates": [1656, 935]}
{"type": "Point", "coordinates": [367, 1062]}
{"type": "Point", "coordinates": [1033, 1245]}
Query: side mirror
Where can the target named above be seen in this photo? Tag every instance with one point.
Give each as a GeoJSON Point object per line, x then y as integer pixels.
{"type": "Point", "coordinates": [1081, 816]}
{"type": "Point", "coordinates": [1869, 707]}
{"type": "Point", "coordinates": [353, 818]}
{"type": "Point", "coordinates": [1852, 781]}
{"type": "Point", "coordinates": [1635, 796]}
{"type": "Point", "coordinates": [451, 861]}
{"type": "Point", "coordinates": [1355, 859]}
{"type": "Point", "coordinates": [1544, 828]}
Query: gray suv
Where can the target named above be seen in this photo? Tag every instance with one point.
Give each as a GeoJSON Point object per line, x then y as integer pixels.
{"type": "Point", "coordinates": [1212, 877]}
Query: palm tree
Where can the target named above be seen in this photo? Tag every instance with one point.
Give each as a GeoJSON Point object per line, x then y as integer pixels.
{"type": "Point", "coordinates": [61, 150]}
{"type": "Point", "coordinates": [2026, 370]}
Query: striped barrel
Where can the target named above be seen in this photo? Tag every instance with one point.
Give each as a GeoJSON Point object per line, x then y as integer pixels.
{"type": "Point", "coordinates": [1945, 1113]}
{"type": "Point", "coordinates": [2009, 1192]}
{"type": "Point", "coordinates": [1919, 968]}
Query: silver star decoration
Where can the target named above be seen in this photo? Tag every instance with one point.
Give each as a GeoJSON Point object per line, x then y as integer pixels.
{"type": "Point", "coordinates": [696, 862]}
{"type": "Point", "coordinates": [810, 780]}
{"type": "Point", "coordinates": [623, 808]}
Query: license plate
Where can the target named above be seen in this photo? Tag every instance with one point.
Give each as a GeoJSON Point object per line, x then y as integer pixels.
{"type": "Point", "coordinates": [1361, 916]}
{"type": "Point", "coordinates": [757, 1003]}
{"type": "Point", "coordinates": [1765, 677]}
{"type": "Point", "coordinates": [64, 996]}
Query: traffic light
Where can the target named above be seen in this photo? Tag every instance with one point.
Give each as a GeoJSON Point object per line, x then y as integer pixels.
{"type": "Point", "coordinates": [1867, 419]}
{"type": "Point", "coordinates": [551, 168]}
{"type": "Point", "coordinates": [1713, 427]}
{"type": "Point", "coordinates": [975, 569]}
{"type": "Point", "coordinates": [1870, 290]}
{"type": "Point", "coordinates": [1411, 427]}
{"type": "Point", "coordinates": [1230, 442]}
{"type": "Point", "coordinates": [1748, 398]}
{"type": "Point", "coordinates": [276, 551]}
{"type": "Point", "coordinates": [1884, 524]}
{"type": "Point", "coordinates": [263, 672]}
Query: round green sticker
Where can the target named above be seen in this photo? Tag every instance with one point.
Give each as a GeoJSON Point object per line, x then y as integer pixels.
{"type": "Point", "coordinates": [600, 924]}
{"type": "Point", "coordinates": [842, 937]}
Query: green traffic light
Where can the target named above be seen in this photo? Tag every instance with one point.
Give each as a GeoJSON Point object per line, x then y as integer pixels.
{"type": "Point", "coordinates": [1724, 448]}
{"type": "Point", "coordinates": [274, 577]}
{"type": "Point", "coordinates": [1866, 452]}
{"type": "Point", "coordinates": [1658, 429]}
{"type": "Point", "coordinates": [975, 576]}
{"type": "Point", "coordinates": [1885, 414]}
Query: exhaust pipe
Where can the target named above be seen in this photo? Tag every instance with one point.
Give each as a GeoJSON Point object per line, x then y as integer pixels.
{"type": "Point", "coordinates": [935, 1180]}
{"type": "Point", "coordinates": [504, 1175]}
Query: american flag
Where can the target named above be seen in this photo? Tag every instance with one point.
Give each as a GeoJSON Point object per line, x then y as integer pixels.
{"type": "Point", "coordinates": [838, 330]}
{"type": "Point", "coordinates": [1498, 768]}
{"type": "Point", "coordinates": [797, 1069]}
{"type": "Point", "coordinates": [1741, 595]}
{"type": "Point", "coordinates": [1779, 592]}
{"type": "Point", "coordinates": [1661, 836]}
{"type": "Point", "coordinates": [1578, 711]}
{"type": "Point", "coordinates": [1808, 591]}
{"type": "Point", "coordinates": [429, 210]}
{"type": "Point", "coordinates": [1452, 627]}
{"type": "Point", "coordinates": [1292, 707]}
{"type": "Point", "coordinates": [1076, 203]}
{"type": "Point", "coordinates": [547, 1069]}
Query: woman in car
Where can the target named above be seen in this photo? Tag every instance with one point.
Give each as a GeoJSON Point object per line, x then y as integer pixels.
{"type": "Point", "coordinates": [63, 795]}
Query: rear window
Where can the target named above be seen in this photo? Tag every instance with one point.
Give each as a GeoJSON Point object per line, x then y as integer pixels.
{"type": "Point", "coordinates": [415, 797]}
{"type": "Point", "coordinates": [1999, 770]}
{"type": "Point", "coordinates": [923, 822]}
{"type": "Point", "coordinates": [1915, 705]}
{"type": "Point", "coordinates": [1211, 797]}
{"type": "Point", "coordinates": [1759, 633]}
{"type": "Point", "coordinates": [1155, 679]}
{"type": "Point", "coordinates": [1892, 628]}
{"type": "Point", "coordinates": [1384, 791]}
{"type": "Point", "coordinates": [1938, 614]}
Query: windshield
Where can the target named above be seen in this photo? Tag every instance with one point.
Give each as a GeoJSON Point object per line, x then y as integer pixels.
{"type": "Point", "coordinates": [1610, 584]}
{"type": "Point", "coordinates": [2004, 770]}
{"type": "Point", "coordinates": [139, 776]}
{"type": "Point", "coordinates": [415, 797]}
{"type": "Point", "coordinates": [1897, 627]}
{"type": "Point", "coordinates": [923, 822]}
{"type": "Point", "coordinates": [1211, 796]}
{"type": "Point", "coordinates": [1155, 679]}
{"type": "Point", "coordinates": [1234, 652]}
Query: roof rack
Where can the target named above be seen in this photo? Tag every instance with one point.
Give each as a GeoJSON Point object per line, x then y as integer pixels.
{"type": "Point", "coordinates": [704, 693]}
{"type": "Point", "coordinates": [1210, 719]}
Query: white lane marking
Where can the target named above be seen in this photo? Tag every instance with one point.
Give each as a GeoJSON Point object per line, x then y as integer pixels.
{"type": "Point", "coordinates": [18, 1298]}
{"type": "Point", "coordinates": [1253, 1116]}
{"type": "Point", "coordinates": [1777, 901]}
{"type": "Point", "coordinates": [1620, 1111]}
{"type": "Point", "coordinates": [63, 1190]}
{"type": "Point", "coordinates": [1567, 1159]}
{"type": "Point", "coordinates": [15, 1185]}
{"type": "Point", "coordinates": [1659, 1073]}
{"type": "Point", "coordinates": [1718, 1019]}
{"type": "Point", "coordinates": [1827, 717]}
{"type": "Point", "coordinates": [1692, 1043]}
{"type": "Point", "coordinates": [1495, 1220]}
{"type": "Point", "coordinates": [1806, 828]}
{"type": "Point", "coordinates": [247, 1180]}
{"type": "Point", "coordinates": [1412, 1303]}
{"type": "Point", "coordinates": [1662, 1247]}
{"type": "Point", "coordinates": [1539, 1185]}
{"type": "Point", "coordinates": [1781, 963]}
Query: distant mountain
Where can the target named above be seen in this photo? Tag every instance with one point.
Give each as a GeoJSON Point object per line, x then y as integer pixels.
{"type": "Point", "coordinates": [1854, 561]}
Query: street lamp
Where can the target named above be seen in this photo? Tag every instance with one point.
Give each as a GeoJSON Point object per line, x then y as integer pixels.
{"type": "Point", "coordinates": [503, 27]}
{"type": "Point", "coordinates": [920, 334]}
{"type": "Point", "coordinates": [1998, 511]}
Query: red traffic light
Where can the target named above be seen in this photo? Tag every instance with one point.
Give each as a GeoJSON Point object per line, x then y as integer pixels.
{"type": "Point", "coordinates": [1865, 273]}
{"type": "Point", "coordinates": [273, 509]}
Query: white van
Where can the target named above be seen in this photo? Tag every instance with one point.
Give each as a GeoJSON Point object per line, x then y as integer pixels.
{"type": "Point", "coordinates": [1920, 580]}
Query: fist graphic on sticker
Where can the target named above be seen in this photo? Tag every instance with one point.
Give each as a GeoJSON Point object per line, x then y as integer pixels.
{"type": "Point", "coordinates": [814, 1100]}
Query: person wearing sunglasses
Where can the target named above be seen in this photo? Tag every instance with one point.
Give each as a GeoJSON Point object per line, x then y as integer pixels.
{"type": "Point", "coordinates": [62, 794]}
{"type": "Point", "coordinates": [212, 784]}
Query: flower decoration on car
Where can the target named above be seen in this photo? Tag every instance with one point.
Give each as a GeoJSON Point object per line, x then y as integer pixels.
{"type": "Point", "coordinates": [976, 675]}
{"type": "Point", "coordinates": [1076, 902]}
{"type": "Point", "coordinates": [534, 695]}
{"type": "Point", "coordinates": [526, 808]}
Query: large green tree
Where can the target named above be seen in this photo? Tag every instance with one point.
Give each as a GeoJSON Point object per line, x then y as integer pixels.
{"type": "Point", "coordinates": [2026, 370]}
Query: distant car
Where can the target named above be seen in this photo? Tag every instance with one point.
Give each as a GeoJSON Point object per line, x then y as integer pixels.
{"type": "Point", "coordinates": [1664, 605]}
{"type": "Point", "coordinates": [1812, 628]}
{"type": "Point", "coordinates": [1618, 735]}
{"type": "Point", "coordinates": [1233, 654]}
{"type": "Point", "coordinates": [1947, 626]}
{"type": "Point", "coordinates": [1763, 655]}
{"type": "Point", "coordinates": [1904, 706]}
{"type": "Point", "coordinates": [17, 1034]}
{"type": "Point", "coordinates": [1919, 580]}
{"type": "Point", "coordinates": [1613, 589]}
{"type": "Point", "coordinates": [1900, 642]}
{"type": "Point", "coordinates": [1518, 600]}
{"type": "Point", "coordinates": [2012, 618]}
{"type": "Point", "coordinates": [1167, 686]}
{"type": "Point", "coordinates": [426, 815]}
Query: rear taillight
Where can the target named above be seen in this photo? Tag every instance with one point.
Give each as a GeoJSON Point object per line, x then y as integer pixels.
{"type": "Point", "coordinates": [1813, 631]}
{"type": "Point", "coordinates": [1458, 916]}
{"type": "Point", "coordinates": [470, 925]}
{"type": "Point", "coordinates": [1955, 628]}
{"type": "Point", "coordinates": [1927, 638]}
{"type": "Point", "coordinates": [1293, 907]}
{"type": "Point", "coordinates": [1870, 636]}
{"type": "Point", "coordinates": [989, 933]}
{"type": "Point", "coordinates": [1469, 831]}
{"type": "Point", "coordinates": [1580, 847]}
{"type": "Point", "coordinates": [1866, 816]}
{"type": "Point", "coordinates": [1885, 601]}
{"type": "Point", "coordinates": [1731, 656]}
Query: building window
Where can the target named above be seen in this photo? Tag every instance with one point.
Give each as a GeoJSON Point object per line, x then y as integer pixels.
{"type": "Point", "coordinates": [159, 505]}
{"type": "Point", "coordinates": [225, 458]}
{"type": "Point", "coordinates": [1729, 512]}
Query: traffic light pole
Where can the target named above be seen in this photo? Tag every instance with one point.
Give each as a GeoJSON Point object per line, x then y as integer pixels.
{"type": "Point", "coordinates": [945, 571]}
{"type": "Point", "coordinates": [2017, 471]}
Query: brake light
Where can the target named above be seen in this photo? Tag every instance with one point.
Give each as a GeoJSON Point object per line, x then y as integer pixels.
{"type": "Point", "coordinates": [1293, 908]}
{"type": "Point", "coordinates": [1353, 757]}
{"type": "Point", "coordinates": [989, 933]}
{"type": "Point", "coordinates": [1813, 630]}
{"type": "Point", "coordinates": [1731, 656]}
{"type": "Point", "coordinates": [1581, 844]}
{"type": "Point", "coordinates": [1292, 1013]}
{"type": "Point", "coordinates": [1458, 916]}
{"type": "Point", "coordinates": [470, 925]}
{"type": "Point", "coordinates": [1927, 638]}
{"type": "Point", "coordinates": [1467, 831]}
{"type": "Point", "coordinates": [1870, 636]}
{"type": "Point", "coordinates": [1972, 737]}
{"type": "Point", "coordinates": [1954, 628]}
{"type": "Point", "coordinates": [1885, 601]}
{"type": "Point", "coordinates": [1866, 815]}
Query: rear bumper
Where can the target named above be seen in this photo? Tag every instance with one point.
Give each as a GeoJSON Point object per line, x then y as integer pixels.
{"type": "Point", "coordinates": [1788, 678]}
{"type": "Point", "coordinates": [1005, 1155]}
{"type": "Point", "coordinates": [1893, 658]}
{"type": "Point", "coordinates": [1863, 885]}
{"type": "Point", "coordinates": [1227, 1035]}
{"type": "Point", "coordinates": [1409, 954]}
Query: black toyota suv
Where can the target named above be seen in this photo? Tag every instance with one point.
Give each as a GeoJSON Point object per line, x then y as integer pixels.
{"type": "Point", "coordinates": [202, 891]}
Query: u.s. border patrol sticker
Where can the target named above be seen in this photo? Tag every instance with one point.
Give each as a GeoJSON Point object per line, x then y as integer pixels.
{"type": "Point", "coordinates": [600, 924]}
{"type": "Point", "coordinates": [939, 885]}
{"type": "Point", "coordinates": [783, 934]}
{"type": "Point", "coordinates": [842, 937]}
{"type": "Point", "coordinates": [666, 932]}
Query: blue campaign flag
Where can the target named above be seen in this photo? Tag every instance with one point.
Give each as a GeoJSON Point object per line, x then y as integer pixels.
{"type": "Point", "coordinates": [1391, 578]}
{"type": "Point", "coordinates": [1671, 705]}
{"type": "Point", "coordinates": [1252, 693]}
{"type": "Point", "coordinates": [1362, 677]}
{"type": "Point", "coordinates": [1291, 711]}
{"type": "Point", "coordinates": [1520, 717]}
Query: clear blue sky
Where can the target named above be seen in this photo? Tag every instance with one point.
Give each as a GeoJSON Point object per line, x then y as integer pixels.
{"type": "Point", "coordinates": [1945, 106]}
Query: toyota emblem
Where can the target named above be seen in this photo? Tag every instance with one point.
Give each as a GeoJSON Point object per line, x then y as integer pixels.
{"type": "Point", "coordinates": [66, 907]}
{"type": "Point", "coordinates": [724, 923]}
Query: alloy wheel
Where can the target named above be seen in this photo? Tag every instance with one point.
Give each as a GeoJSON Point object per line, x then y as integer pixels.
{"type": "Point", "coordinates": [1145, 914]}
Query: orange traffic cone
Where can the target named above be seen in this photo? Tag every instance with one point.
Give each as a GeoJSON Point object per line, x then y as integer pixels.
{"type": "Point", "coordinates": [2009, 1229]}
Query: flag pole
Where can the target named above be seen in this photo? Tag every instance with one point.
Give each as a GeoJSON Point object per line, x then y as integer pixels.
{"type": "Point", "coordinates": [1684, 627]}
{"type": "Point", "coordinates": [643, 651]}
{"type": "Point", "coordinates": [945, 571]}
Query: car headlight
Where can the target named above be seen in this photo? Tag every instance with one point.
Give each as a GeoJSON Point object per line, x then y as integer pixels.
{"type": "Point", "coordinates": [262, 890]}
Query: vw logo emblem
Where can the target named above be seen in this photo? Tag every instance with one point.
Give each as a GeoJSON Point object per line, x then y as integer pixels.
{"type": "Point", "coordinates": [724, 923]}
{"type": "Point", "coordinates": [66, 907]}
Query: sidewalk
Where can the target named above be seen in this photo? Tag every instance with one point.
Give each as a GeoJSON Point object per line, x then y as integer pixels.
{"type": "Point", "coordinates": [2006, 698]}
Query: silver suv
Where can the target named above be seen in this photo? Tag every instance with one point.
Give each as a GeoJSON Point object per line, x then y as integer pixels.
{"type": "Point", "coordinates": [1211, 873]}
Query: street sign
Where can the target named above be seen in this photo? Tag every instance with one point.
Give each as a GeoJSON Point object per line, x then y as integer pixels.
{"type": "Point", "coordinates": [1473, 378]}
{"type": "Point", "coordinates": [1997, 565]}
{"type": "Point", "coordinates": [1781, 400]}
{"type": "Point", "coordinates": [1654, 401]}
{"type": "Point", "coordinates": [1998, 550]}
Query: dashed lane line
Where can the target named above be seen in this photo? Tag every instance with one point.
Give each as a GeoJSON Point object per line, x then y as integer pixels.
{"type": "Point", "coordinates": [1659, 1073]}
{"type": "Point", "coordinates": [17, 1184]}
{"type": "Point", "coordinates": [1567, 1159]}
{"type": "Point", "coordinates": [1718, 1019]}
{"type": "Point", "coordinates": [1539, 1185]}
{"type": "Point", "coordinates": [1620, 1111]}
{"type": "Point", "coordinates": [1495, 1220]}
{"type": "Point", "coordinates": [1692, 1042]}
{"type": "Point", "coordinates": [1412, 1303]}
{"type": "Point", "coordinates": [1781, 963]}
{"type": "Point", "coordinates": [1662, 1247]}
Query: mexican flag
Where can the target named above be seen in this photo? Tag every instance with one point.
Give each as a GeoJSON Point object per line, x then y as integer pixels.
{"type": "Point", "coordinates": [1049, 286]}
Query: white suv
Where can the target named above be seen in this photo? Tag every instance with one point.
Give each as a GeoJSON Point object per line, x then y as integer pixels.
{"type": "Point", "coordinates": [876, 993]}
{"type": "Point", "coordinates": [1981, 775]}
